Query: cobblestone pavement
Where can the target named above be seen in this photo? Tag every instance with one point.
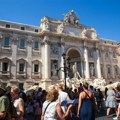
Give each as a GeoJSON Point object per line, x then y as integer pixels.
{"type": "Point", "coordinates": [102, 115]}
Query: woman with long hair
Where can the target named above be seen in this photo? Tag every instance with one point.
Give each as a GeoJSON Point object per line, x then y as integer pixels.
{"type": "Point", "coordinates": [86, 104]}
{"type": "Point", "coordinates": [18, 102]}
{"type": "Point", "coordinates": [51, 108]}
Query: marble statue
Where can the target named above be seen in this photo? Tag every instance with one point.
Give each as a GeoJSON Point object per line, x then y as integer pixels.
{"type": "Point", "coordinates": [71, 18]}
{"type": "Point", "coordinates": [75, 71]}
{"type": "Point", "coordinates": [91, 70]}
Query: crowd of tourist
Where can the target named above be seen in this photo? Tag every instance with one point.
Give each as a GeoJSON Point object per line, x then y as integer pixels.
{"type": "Point", "coordinates": [56, 103]}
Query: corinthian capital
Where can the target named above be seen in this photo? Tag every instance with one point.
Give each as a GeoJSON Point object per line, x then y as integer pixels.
{"type": "Point", "coordinates": [29, 41]}
{"type": "Point", "coordinates": [15, 40]}
{"type": "Point", "coordinates": [46, 40]}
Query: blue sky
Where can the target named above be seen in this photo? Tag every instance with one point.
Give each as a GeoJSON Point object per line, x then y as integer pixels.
{"type": "Point", "coordinates": [103, 15]}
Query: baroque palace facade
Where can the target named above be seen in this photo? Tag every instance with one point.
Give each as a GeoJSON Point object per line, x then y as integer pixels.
{"type": "Point", "coordinates": [31, 54]}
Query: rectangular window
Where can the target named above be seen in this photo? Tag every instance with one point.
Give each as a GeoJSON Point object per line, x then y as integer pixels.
{"type": "Point", "coordinates": [7, 26]}
{"type": "Point", "coordinates": [36, 68]}
{"type": "Point", "coordinates": [36, 45]}
{"type": "Point", "coordinates": [109, 70]}
{"type": "Point", "coordinates": [22, 44]}
{"type": "Point", "coordinates": [6, 42]}
{"type": "Point", "coordinates": [22, 28]}
{"type": "Point", "coordinates": [21, 67]}
{"type": "Point", "coordinates": [5, 67]}
{"type": "Point", "coordinates": [36, 30]}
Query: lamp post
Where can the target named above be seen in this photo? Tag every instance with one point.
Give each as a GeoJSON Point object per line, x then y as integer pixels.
{"type": "Point", "coordinates": [65, 68]}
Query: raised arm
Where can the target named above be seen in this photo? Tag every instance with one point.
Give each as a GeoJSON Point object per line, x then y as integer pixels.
{"type": "Point", "coordinates": [61, 115]}
{"type": "Point", "coordinates": [79, 104]}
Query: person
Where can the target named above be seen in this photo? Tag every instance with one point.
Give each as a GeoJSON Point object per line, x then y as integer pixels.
{"type": "Point", "coordinates": [51, 109]}
{"type": "Point", "coordinates": [117, 98]}
{"type": "Point", "coordinates": [110, 101]}
{"type": "Point", "coordinates": [4, 104]}
{"type": "Point", "coordinates": [22, 95]}
{"type": "Point", "coordinates": [29, 108]}
{"type": "Point", "coordinates": [75, 71]}
{"type": "Point", "coordinates": [38, 108]}
{"type": "Point", "coordinates": [63, 97]}
{"type": "Point", "coordinates": [17, 102]}
{"type": "Point", "coordinates": [86, 100]}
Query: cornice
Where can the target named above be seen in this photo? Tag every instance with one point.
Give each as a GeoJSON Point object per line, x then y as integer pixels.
{"type": "Point", "coordinates": [19, 31]}
{"type": "Point", "coordinates": [63, 35]}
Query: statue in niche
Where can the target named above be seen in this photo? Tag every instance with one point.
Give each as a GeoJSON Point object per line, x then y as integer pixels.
{"type": "Point", "coordinates": [91, 53]}
{"type": "Point", "coordinates": [54, 49]}
{"type": "Point", "coordinates": [92, 70]}
{"type": "Point", "coordinates": [71, 18]}
{"type": "Point", "coordinates": [54, 68]}
{"type": "Point", "coordinates": [75, 71]}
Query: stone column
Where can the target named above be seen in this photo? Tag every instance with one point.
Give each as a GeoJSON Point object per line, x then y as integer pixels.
{"type": "Point", "coordinates": [97, 60]}
{"type": "Point", "coordinates": [46, 58]}
{"type": "Point", "coordinates": [104, 65]}
{"type": "Point", "coordinates": [14, 57]}
{"type": "Point", "coordinates": [86, 68]}
{"type": "Point", "coordinates": [29, 58]}
{"type": "Point", "coordinates": [112, 65]}
{"type": "Point", "coordinates": [0, 66]}
{"type": "Point", "coordinates": [82, 69]}
{"type": "Point", "coordinates": [61, 58]}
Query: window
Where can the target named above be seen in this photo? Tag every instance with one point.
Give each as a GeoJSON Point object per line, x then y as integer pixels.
{"type": "Point", "coordinates": [21, 67]}
{"type": "Point", "coordinates": [22, 28]}
{"type": "Point", "coordinates": [6, 42]}
{"type": "Point", "coordinates": [5, 67]}
{"type": "Point", "coordinates": [7, 26]}
{"type": "Point", "coordinates": [36, 45]}
{"type": "Point", "coordinates": [109, 70]}
{"type": "Point", "coordinates": [22, 44]}
{"type": "Point", "coordinates": [36, 30]}
{"type": "Point", "coordinates": [36, 68]}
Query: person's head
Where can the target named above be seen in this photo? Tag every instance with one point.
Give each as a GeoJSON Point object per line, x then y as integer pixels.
{"type": "Point", "coordinates": [52, 95]}
{"type": "Point", "coordinates": [91, 87]}
{"type": "Point", "coordinates": [110, 88]}
{"type": "Point", "coordinates": [85, 85]}
{"type": "Point", "coordinates": [14, 92]}
{"type": "Point", "coordinates": [118, 87]}
{"type": "Point", "coordinates": [8, 88]}
{"type": "Point", "coordinates": [60, 87]}
{"type": "Point", "coordinates": [80, 84]}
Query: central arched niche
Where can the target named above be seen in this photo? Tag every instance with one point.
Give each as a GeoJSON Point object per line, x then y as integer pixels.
{"type": "Point", "coordinates": [75, 56]}
{"type": "Point", "coordinates": [73, 53]}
